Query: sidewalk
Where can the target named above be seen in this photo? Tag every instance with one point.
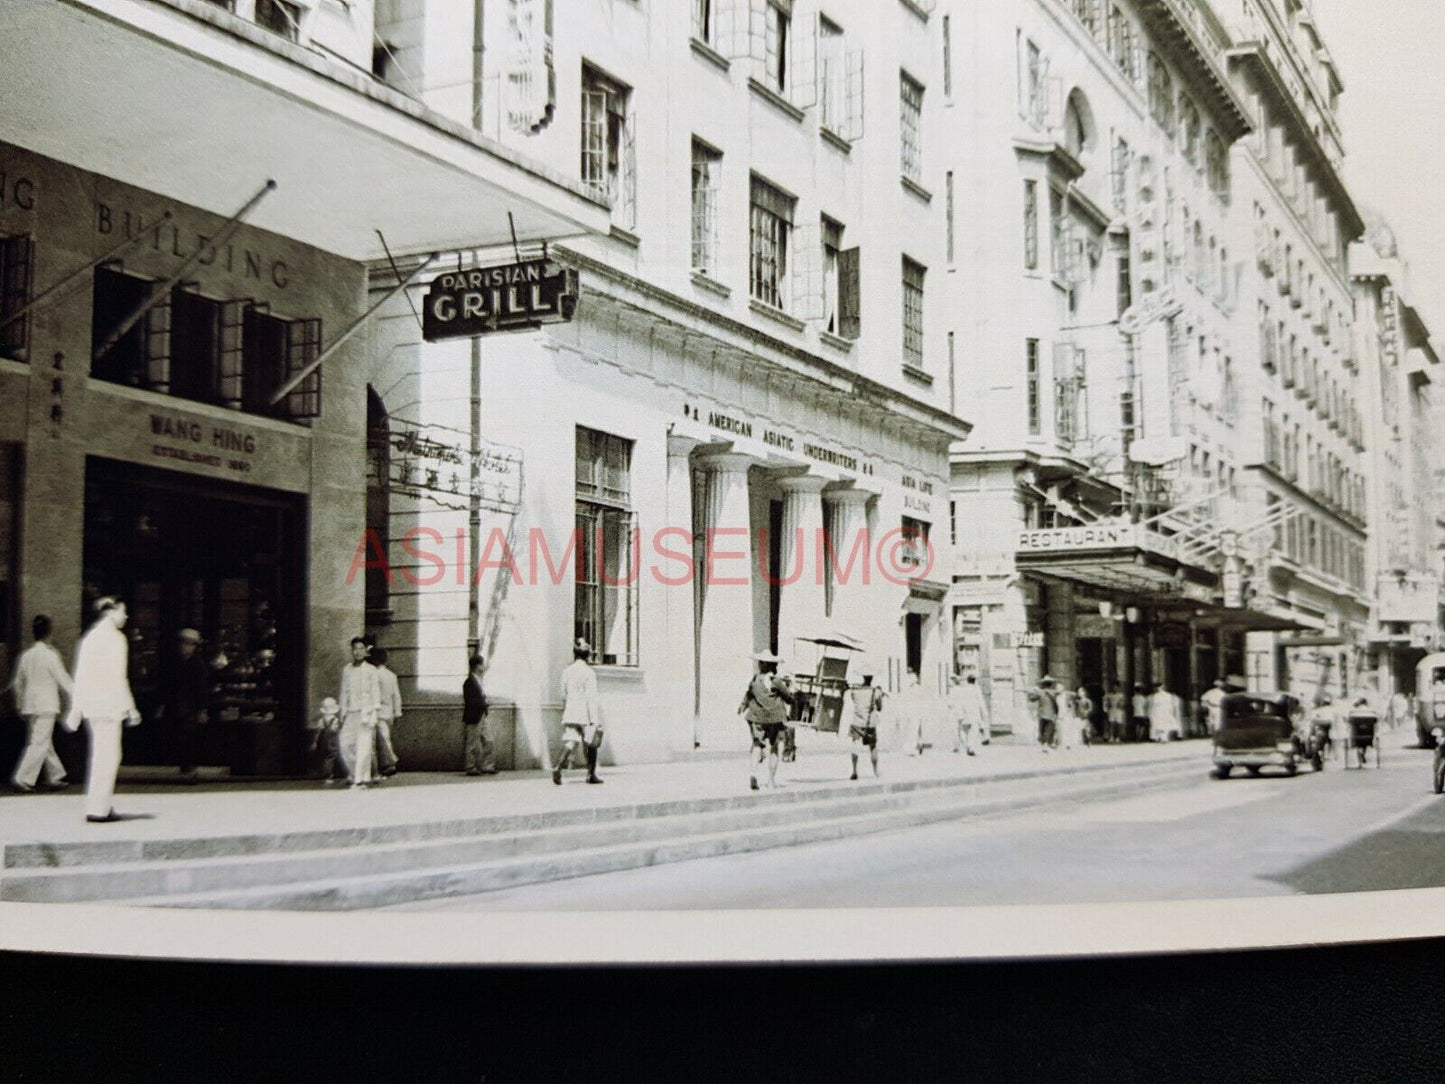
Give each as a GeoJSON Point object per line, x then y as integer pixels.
{"type": "Point", "coordinates": [209, 810]}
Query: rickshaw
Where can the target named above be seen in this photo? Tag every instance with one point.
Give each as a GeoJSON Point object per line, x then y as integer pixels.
{"type": "Point", "coordinates": [1361, 735]}
{"type": "Point", "coordinates": [1429, 698]}
{"type": "Point", "coordinates": [1259, 730]}
{"type": "Point", "coordinates": [818, 697]}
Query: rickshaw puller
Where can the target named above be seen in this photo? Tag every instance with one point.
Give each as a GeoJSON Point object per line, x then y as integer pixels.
{"type": "Point", "coordinates": [765, 706]}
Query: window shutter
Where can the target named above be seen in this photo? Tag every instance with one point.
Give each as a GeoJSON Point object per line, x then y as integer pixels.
{"type": "Point", "coordinates": [853, 122]}
{"type": "Point", "coordinates": [730, 25]}
{"type": "Point", "coordinates": [1081, 399]}
{"type": "Point", "coordinates": [158, 346]}
{"type": "Point", "coordinates": [757, 50]}
{"type": "Point", "coordinates": [850, 294]}
{"type": "Point", "coordinates": [17, 256]}
{"type": "Point", "coordinates": [1053, 103]}
{"type": "Point", "coordinates": [594, 140]}
{"type": "Point", "coordinates": [803, 45]}
{"type": "Point", "coordinates": [232, 341]}
{"type": "Point", "coordinates": [625, 208]}
{"type": "Point", "coordinates": [303, 346]}
{"type": "Point", "coordinates": [1064, 392]}
{"type": "Point", "coordinates": [807, 269]}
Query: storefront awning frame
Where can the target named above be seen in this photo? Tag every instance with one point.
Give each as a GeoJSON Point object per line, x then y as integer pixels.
{"type": "Point", "coordinates": [219, 105]}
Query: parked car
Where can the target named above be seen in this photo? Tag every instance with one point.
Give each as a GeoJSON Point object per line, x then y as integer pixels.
{"type": "Point", "coordinates": [1429, 698]}
{"type": "Point", "coordinates": [1260, 730]}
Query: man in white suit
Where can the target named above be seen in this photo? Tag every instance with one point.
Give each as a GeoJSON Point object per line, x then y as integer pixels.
{"type": "Point", "coordinates": [360, 703]}
{"type": "Point", "coordinates": [102, 698]}
{"type": "Point", "coordinates": [39, 678]}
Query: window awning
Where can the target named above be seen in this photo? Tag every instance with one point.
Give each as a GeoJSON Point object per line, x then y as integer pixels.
{"type": "Point", "coordinates": [203, 108]}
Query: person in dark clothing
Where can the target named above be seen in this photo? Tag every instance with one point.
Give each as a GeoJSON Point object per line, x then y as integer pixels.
{"type": "Point", "coordinates": [481, 754]}
{"type": "Point", "coordinates": [186, 697]}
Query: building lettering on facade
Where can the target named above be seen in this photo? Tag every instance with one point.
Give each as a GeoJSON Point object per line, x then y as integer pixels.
{"type": "Point", "coordinates": [733, 425]}
{"type": "Point", "coordinates": [168, 236]}
{"type": "Point", "coordinates": [200, 443]}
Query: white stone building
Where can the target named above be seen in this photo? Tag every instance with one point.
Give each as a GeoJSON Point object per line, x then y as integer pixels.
{"type": "Point", "coordinates": [759, 347]}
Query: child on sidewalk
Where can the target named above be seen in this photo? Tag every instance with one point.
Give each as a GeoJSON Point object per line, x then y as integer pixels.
{"type": "Point", "coordinates": [326, 741]}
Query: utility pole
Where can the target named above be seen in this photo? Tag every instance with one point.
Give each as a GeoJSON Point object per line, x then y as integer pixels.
{"type": "Point", "coordinates": [474, 498]}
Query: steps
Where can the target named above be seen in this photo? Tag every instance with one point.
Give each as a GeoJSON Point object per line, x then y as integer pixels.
{"type": "Point", "coordinates": [350, 868]}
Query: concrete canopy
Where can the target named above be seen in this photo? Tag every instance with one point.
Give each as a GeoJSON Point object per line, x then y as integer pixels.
{"type": "Point", "coordinates": [203, 108]}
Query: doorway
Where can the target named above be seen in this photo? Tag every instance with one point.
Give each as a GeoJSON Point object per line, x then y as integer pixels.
{"type": "Point", "coordinates": [225, 560]}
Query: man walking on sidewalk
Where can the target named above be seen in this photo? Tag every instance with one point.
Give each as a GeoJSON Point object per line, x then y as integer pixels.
{"type": "Point", "coordinates": [39, 678]}
{"type": "Point", "coordinates": [969, 711]}
{"type": "Point", "coordinates": [581, 714]}
{"type": "Point", "coordinates": [185, 693]}
{"type": "Point", "coordinates": [102, 697]}
{"type": "Point", "coordinates": [360, 702]}
{"type": "Point", "coordinates": [387, 714]}
{"type": "Point", "coordinates": [1046, 706]}
{"type": "Point", "coordinates": [864, 701]}
{"type": "Point", "coordinates": [481, 756]}
{"type": "Point", "coordinates": [765, 708]}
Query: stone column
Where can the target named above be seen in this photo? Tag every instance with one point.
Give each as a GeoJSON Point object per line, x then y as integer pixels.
{"type": "Point", "coordinates": [802, 606]}
{"type": "Point", "coordinates": [850, 592]}
{"type": "Point", "coordinates": [678, 652]}
{"type": "Point", "coordinates": [725, 626]}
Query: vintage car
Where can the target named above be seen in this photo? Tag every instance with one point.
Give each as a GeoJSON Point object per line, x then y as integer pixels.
{"type": "Point", "coordinates": [1259, 730]}
{"type": "Point", "coordinates": [1429, 698]}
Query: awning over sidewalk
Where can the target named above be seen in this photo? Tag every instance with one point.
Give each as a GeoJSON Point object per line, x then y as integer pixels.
{"type": "Point", "coordinates": [203, 107]}
{"type": "Point", "coordinates": [1124, 560]}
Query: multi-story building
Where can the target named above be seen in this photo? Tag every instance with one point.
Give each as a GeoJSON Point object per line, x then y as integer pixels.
{"type": "Point", "coordinates": [758, 350]}
{"type": "Point", "coordinates": [1301, 423]}
{"type": "Point", "coordinates": [1093, 301]}
{"type": "Point", "coordinates": [1398, 366]}
{"type": "Point", "coordinates": [190, 194]}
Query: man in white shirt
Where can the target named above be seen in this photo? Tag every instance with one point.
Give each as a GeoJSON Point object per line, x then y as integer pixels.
{"type": "Point", "coordinates": [389, 712]}
{"type": "Point", "coordinates": [360, 703]}
{"type": "Point", "coordinates": [101, 696]}
{"type": "Point", "coordinates": [970, 712]}
{"type": "Point", "coordinates": [1163, 715]}
{"type": "Point", "coordinates": [1213, 701]}
{"type": "Point", "coordinates": [39, 678]}
{"type": "Point", "coordinates": [581, 713]}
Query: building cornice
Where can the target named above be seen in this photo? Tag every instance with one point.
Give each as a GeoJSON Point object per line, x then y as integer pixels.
{"type": "Point", "coordinates": [655, 301]}
{"type": "Point", "coordinates": [1199, 57]}
{"type": "Point", "coordinates": [1252, 55]}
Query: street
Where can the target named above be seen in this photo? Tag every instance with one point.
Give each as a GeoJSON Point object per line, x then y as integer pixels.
{"type": "Point", "coordinates": [1340, 831]}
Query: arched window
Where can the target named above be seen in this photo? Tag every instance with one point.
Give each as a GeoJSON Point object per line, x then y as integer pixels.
{"type": "Point", "coordinates": [378, 508]}
{"type": "Point", "coordinates": [1078, 124]}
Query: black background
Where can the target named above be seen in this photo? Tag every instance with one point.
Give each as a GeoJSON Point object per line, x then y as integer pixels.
{"type": "Point", "coordinates": [1353, 1013]}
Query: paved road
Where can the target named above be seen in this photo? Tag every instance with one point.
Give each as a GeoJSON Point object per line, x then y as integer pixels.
{"type": "Point", "coordinates": [1339, 831]}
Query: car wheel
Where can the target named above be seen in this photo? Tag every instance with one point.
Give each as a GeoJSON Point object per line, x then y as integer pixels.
{"type": "Point", "coordinates": [1292, 768]}
{"type": "Point", "coordinates": [1253, 769]}
{"type": "Point", "coordinates": [1439, 774]}
{"type": "Point", "coordinates": [1221, 772]}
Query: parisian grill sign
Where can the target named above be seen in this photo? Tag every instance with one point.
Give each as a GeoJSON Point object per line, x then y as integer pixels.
{"type": "Point", "coordinates": [506, 297]}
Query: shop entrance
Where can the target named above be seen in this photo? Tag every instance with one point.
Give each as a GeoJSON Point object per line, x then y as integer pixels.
{"type": "Point", "coordinates": [225, 560]}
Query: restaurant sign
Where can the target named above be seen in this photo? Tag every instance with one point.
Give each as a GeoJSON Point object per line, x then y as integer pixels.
{"type": "Point", "coordinates": [510, 297]}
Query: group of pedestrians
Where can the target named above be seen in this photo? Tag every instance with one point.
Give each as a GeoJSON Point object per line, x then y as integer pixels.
{"type": "Point", "coordinates": [767, 703]}
{"type": "Point", "coordinates": [353, 732]}
{"type": "Point", "coordinates": [100, 695]}
{"type": "Point", "coordinates": [1066, 717]}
